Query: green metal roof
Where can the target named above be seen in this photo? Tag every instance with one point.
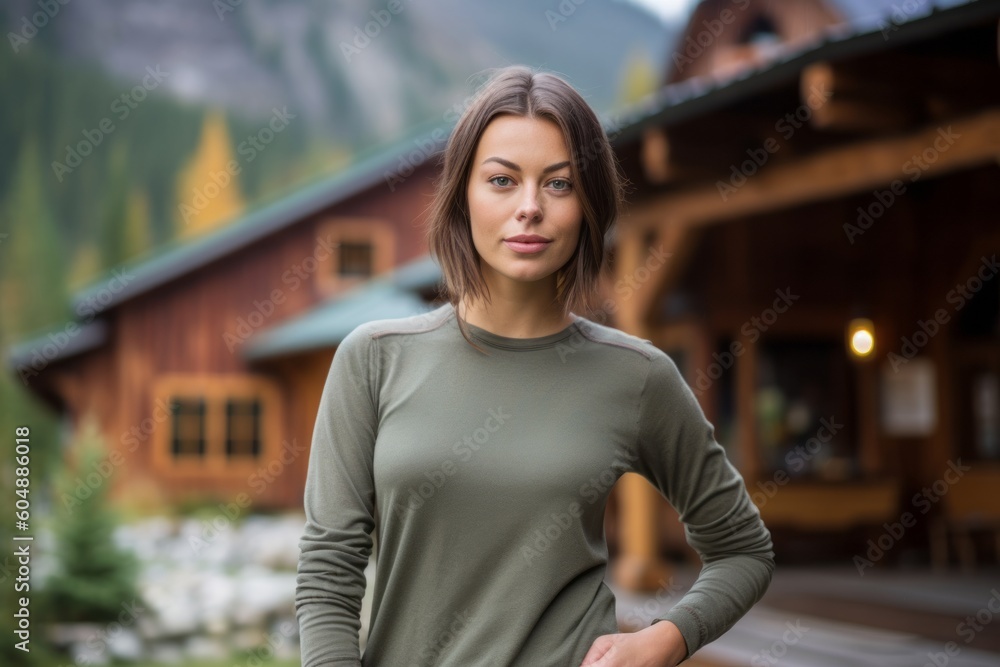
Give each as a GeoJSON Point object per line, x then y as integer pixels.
{"type": "Point", "coordinates": [183, 256]}
{"type": "Point", "coordinates": [326, 325]}
{"type": "Point", "coordinates": [55, 343]}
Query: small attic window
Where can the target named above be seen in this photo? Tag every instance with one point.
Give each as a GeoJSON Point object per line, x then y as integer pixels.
{"type": "Point", "coordinates": [359, 249]}
{"type": "Point", "coordinates": [356, 258]}
{"type": "Point", "coordinates": [760, 31]}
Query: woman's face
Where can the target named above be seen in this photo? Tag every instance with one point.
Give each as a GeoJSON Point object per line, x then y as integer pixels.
{"type": "Point", "coordinates": [519, 185]}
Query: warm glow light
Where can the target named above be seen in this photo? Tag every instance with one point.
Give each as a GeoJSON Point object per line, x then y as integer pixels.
{"type": "Point", "coordinates": [861, 337]}
{"type": "Point", "coordinates": [862, 342]}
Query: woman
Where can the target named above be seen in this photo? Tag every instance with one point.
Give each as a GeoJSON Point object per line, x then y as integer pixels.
{"type": "Point", "coordinates": [480, 441]}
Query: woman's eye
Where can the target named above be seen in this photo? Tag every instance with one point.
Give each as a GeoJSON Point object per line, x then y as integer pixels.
{"type": "Point", "coordinates": [560, 184]}
{"type": "Point", "coordinates": [502, 181]}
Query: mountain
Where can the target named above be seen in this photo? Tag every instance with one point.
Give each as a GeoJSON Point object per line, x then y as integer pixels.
{"type": "Point", "coordinates": [354, 76]}
{"type": "Point", "coordinates": [357, 72]}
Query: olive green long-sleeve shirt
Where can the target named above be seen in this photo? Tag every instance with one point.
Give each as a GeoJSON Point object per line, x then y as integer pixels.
{"type": "Point", "coordinates": [484, 479]}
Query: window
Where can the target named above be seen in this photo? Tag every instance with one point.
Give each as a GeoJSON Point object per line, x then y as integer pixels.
{"type": "Point", "coordinates": [805, 414]}
{"type": "Point", "coordinates": [355, 259]}
{"type": "Point", "coordinates": [760, 31]}
{"type": "Point", "coordinates": [187, 427]}
{"type": "Point", "coordinates": [976, 356]}
{"type": "Point", "coordinates": [243, 427]}
{"type": "Point", "coordinates": [362, 249]}
{"type": "Point", "coordinates": [216, 423]}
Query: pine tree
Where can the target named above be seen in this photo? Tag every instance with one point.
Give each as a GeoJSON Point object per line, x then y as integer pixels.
{"type": "Point", "coordinates": [94, 578]}
{"type": "Point", "coordinates": [29, 297]}
{"type": "Point", "coordinates": [208, 193]}
{"type": "Point", "coordinates": [638, 80]}
{"type": "Point", "coordinates": [138, 225]}
{"type": "Point", "coordinates": [115, 209]}
{"type": "Point", "coordinates": [33, 254]}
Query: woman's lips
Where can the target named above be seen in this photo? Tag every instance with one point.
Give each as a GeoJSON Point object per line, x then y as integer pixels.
{"type": "Point", "coordinates": [527, 248]}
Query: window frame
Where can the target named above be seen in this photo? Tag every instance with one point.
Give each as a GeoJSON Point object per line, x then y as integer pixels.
{"type": "Point", "coordinates": [216, 390]}
{"type": "Point", "coordinates": [378, 233]}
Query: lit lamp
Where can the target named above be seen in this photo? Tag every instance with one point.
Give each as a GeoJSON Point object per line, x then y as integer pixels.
{"type": "Point", "coordinates": [861, 337]}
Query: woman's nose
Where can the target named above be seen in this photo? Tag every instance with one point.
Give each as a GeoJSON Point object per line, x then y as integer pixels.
{"type": "Point", "coordinates": [529, 208]}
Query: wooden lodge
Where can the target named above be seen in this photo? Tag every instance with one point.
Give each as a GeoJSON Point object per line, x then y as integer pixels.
{"type": "Point", "coordinates": [821, 190]}
{"type": "Point", "coordinates": [823, 179]}
{"type": "Point", "coordinates": [204, 364]}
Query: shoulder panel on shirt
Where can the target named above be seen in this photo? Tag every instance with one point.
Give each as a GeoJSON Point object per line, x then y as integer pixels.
{"type": "Point", "coordinates": [421, 323]}
{"type": "Point", "coordinates": [603, 334]}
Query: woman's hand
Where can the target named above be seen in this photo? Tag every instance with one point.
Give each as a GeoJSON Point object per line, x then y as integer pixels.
{"type": "Point", "coordinates": [659, 645]}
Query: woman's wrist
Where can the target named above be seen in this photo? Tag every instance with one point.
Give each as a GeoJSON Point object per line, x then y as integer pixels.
{"type": "Point", "coordinates": [669, 636]}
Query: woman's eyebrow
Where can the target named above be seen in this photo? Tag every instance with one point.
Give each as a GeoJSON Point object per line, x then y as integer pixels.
{"type": "Point", "coordinates": [511, 165]}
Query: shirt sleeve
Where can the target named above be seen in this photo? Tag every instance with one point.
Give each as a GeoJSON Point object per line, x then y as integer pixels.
{"type": "Point", "coordinates": [678, 453]}
{"type": "Point", "coordinates": [339, 503]}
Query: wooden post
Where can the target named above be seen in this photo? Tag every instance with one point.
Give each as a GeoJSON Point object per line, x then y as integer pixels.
{"type": "Point", "coordinates": [639, 565]}
{"type": "Point", "coordinates": [746, 414]}
{"type": "Point", "coordinates": [870, 454]}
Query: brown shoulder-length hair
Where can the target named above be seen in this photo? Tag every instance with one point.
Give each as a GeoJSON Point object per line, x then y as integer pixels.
{"type": "Point", "coordinates": [522, 91]}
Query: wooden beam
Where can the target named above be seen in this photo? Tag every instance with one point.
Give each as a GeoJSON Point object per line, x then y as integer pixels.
{"type": "Point", "coordinates": [854, 103]}
{"type": "Point", "coordinates": [698, 148]}
{"type": "Point", "coordinates": [678, 241]}
{"type": "Point", "coordinates": [858, 167]}
{"type": "Point", "coordinates": [656, 155]}
{"type": "Point", "coordinates": [894, 90]}
{"type": "Point", "coordinates": [639, 565]}
{"type": "Point", "coordinates": [870, 453]}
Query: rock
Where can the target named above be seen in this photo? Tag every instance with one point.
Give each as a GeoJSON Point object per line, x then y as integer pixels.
{"type": "Point", "coordinates": [166, 652]}
{"type": "Point", "coordinates": [271, 594]}
{"type": "Point", "coordinates": [89, 653]}
{"type": "Point", "coordinates": [206, 648]}
{"type": "Point", "coordinates": [125, 645]}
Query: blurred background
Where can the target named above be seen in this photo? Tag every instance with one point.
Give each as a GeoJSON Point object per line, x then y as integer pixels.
{"type": "Point", "coordinates": [200, 199]}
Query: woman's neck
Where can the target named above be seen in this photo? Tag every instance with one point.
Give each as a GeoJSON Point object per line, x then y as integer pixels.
{"type": "Point", "coordinates": [516, 319]}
